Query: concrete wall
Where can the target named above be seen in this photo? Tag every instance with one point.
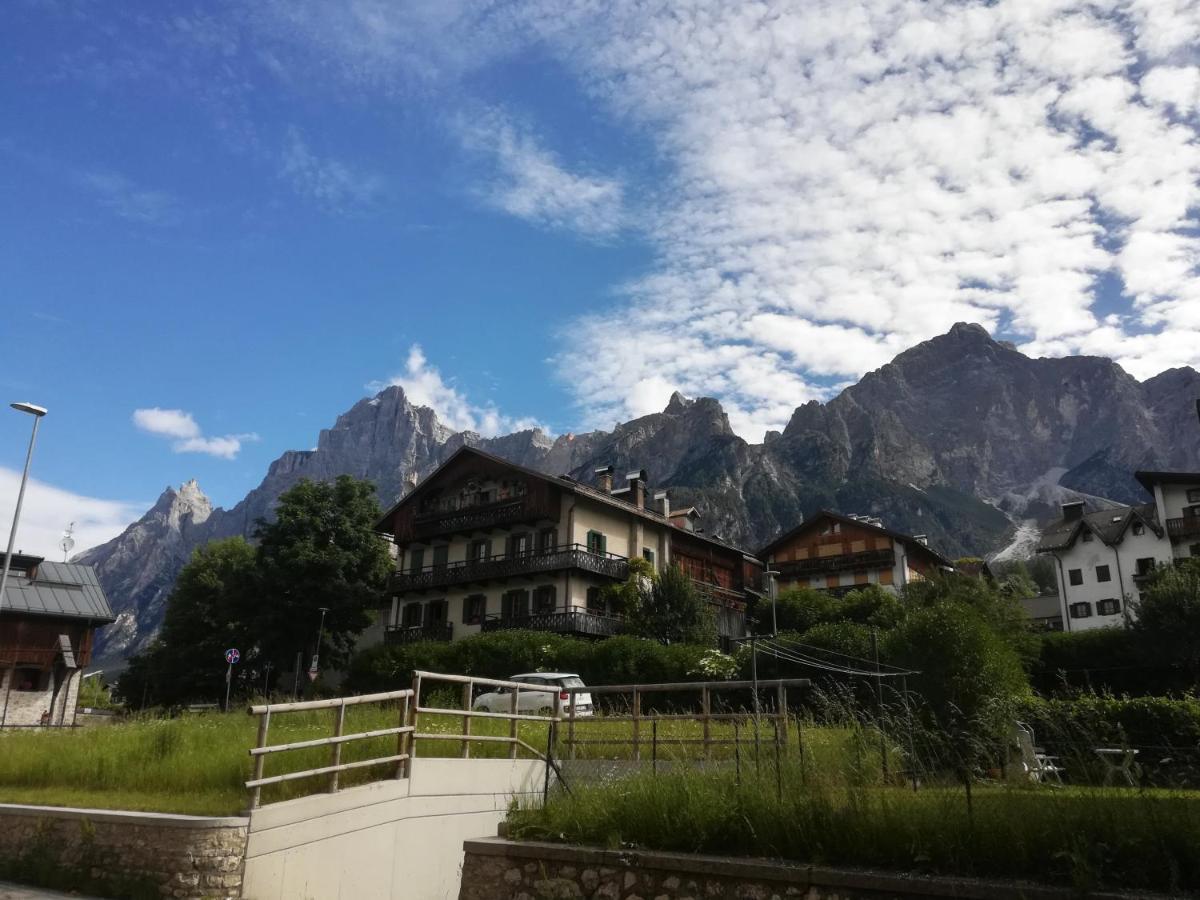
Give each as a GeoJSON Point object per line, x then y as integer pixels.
{"type": "Point", "coordinates": [390, 839]}
{"type": "Point", "coordinates": [108, 851]}
{"type": "Point", "coordinates": [1086, 556]}
{"type": "Point", "coordinates": [496, 869]}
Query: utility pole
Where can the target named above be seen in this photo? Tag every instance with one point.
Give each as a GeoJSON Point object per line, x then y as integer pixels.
{"type": "Point", "coordinates": [879, 703]}
{"type": "Point", "coordinates": [267, 682]}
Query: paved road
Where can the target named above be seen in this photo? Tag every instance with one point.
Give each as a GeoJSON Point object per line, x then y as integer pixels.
{"type": "Point", "coordinates": [21, 892]}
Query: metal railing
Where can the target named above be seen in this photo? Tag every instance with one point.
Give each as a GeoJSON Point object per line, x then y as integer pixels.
{"type": "Point", "coordinates": [867, 559]}
{"type": "Point", "coordinates": [570, 621]}
{"type": "Point", "coordinates": [407, 634]}
{"type": "Point", "coordinates": [778, 718]}
{"type": "Point", "coordinates": [531, 562]}
{"type": "Point", "coordinates": [335, 742]}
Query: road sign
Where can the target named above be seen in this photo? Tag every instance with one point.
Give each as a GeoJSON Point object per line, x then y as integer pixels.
{"type": "Point", "coordinates": [232, 656]}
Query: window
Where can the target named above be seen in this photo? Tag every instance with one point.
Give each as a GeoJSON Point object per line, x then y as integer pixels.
{"type": "Point", "coordinates": [1138, 529]}
{"type": "Point", "coordinates": [1103, 574]}
{"type": "Point", "coordinates": [1109, 607]}
{"type": "Point", "coordinates": [30, 678]}
{"type": "Point", "coordinates": [1193, 495]}
{"type": "Point", "coordinates": [479, 550]}
{"type": "Point", "coordinates": [437, 613]}
{"type": "Point", "coordinates": [1081, 610]}
{"type": "Point", "coordinates": [1144, 565]}
{"type": "Point", "coordinates": [596, 543]}
{"type": "Point", "coordinates": [544, 598]}
{"type": "Point", "coordinates": [547, 539]}
{"type": "Point", "coordinates": [1086, 537]}
{"type": "Point", "coordinates": [520, 544]}
{"type": "Point", "coordinates": [441, 553]}
{"type": "Point", "coordinates": [410, 616]}
{"type": "Point", "coordinates": [416, 559]}
{"type": "Point", "coordinates": [514, 604]}
{"type": "Point", "coordinates": [473, 609]}
{"type": "Point", "coordinates": [1194, 549]}
{"type": "Point", "coordinates": [595, 601]}
{"type": "Point", "coordinates": [648, 555]}
{"type": "Point", "coordinates": [1075, 576]}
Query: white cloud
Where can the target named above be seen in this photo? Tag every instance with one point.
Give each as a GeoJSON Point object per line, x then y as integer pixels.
{"type": "Point", "coordinates": [48, 510]}
{"type": "Point", "coordinates": [328, 183]}
{"type": "Point", "coordinates": [424, 386]}
{"type": "Point", "coordinates": [130, 201]}
{"type": "Point", "coordinates": [845, 178]}
{"type": "Point", "coordinates": [188, 438]}
{"type": "Point", "coordinates": [530, 183]}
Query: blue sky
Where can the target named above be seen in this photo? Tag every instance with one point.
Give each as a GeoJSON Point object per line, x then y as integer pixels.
{"type": "Point", "coordinates": [235, 217]}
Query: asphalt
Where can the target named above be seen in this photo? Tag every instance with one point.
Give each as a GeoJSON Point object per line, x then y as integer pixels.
{"type": "Point", "coordinates": [23, 892]}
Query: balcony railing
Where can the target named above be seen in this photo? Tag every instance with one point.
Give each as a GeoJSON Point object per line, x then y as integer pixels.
{"type": "Point", "coordinates": [722, 596]}
{"type": "Point", "coordinates": [407, 634]}
{"type": "Point", "coordinates": [471, 518]}
{"type": "Point", "coordinates": [869, 559]}
{"type": "Point", "coordinates": [1185, 526]}
{"type": "Point", "coordinates": [570, 621]}
{"type": "Point", "coordinates": [551, 559]}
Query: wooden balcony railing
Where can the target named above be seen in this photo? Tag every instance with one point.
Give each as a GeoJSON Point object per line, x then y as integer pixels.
{"type": "Point", "coordinates": [869, 559]}
{"type": "Point", "coordinates": [552, 559]}
{"type": "Point", "coordinates": [571, 621]}
{"type": "Point", "coordinates": [407, 634]}
{"type": "Point", "coordinates": [1183, 527]}
{"type": "Point", "coordinates": [471, 518]}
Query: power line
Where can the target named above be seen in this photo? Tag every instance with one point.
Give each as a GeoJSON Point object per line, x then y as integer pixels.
{"type": "Point", "coordinates": [813, 648]}
{"type": "Point", "coordinates": [781, 652]}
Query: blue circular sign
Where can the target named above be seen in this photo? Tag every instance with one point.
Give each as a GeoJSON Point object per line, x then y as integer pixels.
{"type": "Point", "coordinates": [232, 656]}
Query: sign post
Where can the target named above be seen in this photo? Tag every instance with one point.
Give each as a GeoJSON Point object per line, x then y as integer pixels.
{"type": "Point", "coordinates": [231, 658]}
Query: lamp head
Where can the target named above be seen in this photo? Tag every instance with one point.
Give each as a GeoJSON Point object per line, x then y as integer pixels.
{"type": "Point", "coordinates": [30, 408]}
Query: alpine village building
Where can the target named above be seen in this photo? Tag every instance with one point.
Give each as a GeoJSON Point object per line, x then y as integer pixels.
{"type": "Point", "coordinates": [838, 553]}
{"type": "Point", "coordinates": [1104, 558]}
{"type": "Point", "coordinates": [485, 545]}
{"type": "Point", "coordinates": [49, 616]}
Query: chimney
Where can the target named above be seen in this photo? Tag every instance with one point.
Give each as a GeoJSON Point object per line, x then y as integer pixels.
{"type": "Point", "coordinates": [1072, 512]}
{"type": "Point", "coordinates": [604, 478]}
{"type": "Point", "coordinates": [663, 504]}
{"type": "Point", "coordinates": [637, 488]}
{"type": "Point", "coordinates": [922, 539]}
{"type": "Point", "coordinates": [874, 520]}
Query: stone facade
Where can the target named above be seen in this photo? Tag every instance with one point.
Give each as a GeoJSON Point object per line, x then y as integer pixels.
{"type": "Point", "coordinates": [124, 853]}
{"type": "Point", "coordinates": [497, 869]}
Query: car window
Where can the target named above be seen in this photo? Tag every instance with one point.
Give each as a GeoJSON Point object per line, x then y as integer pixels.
{"type": "Point", "coordinates": [572, 681]}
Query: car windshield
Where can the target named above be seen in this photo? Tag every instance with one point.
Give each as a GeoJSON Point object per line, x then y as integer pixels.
{"type": "Point", "coordinates": [571, 681]}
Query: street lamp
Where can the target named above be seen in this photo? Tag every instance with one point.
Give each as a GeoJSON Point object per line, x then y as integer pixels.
{"type": "Point", "coordinates": [314, 668]}
{"type": "Point", "coordinates": [37, 412]}
{"type": "Point", "coordinates": [770, 575]}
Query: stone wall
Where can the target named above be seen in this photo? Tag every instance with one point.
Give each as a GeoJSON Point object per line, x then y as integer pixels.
{"type": "Point", "coordinates": [123, 854]}
{"type": "Point", "coordinates": [496, 869]}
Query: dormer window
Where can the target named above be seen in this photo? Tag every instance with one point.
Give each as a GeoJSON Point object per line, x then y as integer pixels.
{"type": "Point", "coordinates": [1139, 529]}
{"type": "Point", "coordinates": [1086, 537]}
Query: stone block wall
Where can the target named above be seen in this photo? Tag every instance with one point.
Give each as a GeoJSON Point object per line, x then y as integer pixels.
{"type": "Point", "coordinates": [497, 869]}
{"type": "Point", "coordinates": [124, 854]}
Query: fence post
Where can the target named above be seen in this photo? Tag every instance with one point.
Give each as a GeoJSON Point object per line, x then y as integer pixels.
{"type": "Point", "coordinates": [402, 743]}
{"type": "Point", "coordinates": [706, 712]}
{"type": "Point", "coordinates": [339, 724]}
{"type": "Point", "coordinates": [782, 712]}
{"type": "Point", "coordinates": [654, 746]}
{"type": "Point", "coordinates": [778, 773]}
{"type": "Point", "coordinates": [513, 725]}
{"type": "Point", "coordinates": [466, 702]}
{"type": "Point", "coordinates": [737, 750]}
{"type": "Point", "coordinates": [571, 725]}
{"type": "Point", "coordinates": [264, 722]}
{"type": "Point", "coordinates": [413, 714]}
{"type": "Point", "coordinates": [637, 715]}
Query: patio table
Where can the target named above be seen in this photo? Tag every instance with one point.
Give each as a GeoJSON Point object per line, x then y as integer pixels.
{"type": "Point", "coordinates": [1118, 761]}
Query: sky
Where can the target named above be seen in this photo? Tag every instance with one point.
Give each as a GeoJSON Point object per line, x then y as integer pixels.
{"type": "Point", "coordinates": [225, 222]}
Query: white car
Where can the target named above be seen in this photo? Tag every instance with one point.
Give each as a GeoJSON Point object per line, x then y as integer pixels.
{"type": "Point", "coordinates": [538, 701]}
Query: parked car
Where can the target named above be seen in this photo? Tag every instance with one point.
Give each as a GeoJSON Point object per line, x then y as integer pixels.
{"type": "Point", "coordinates": [536, 701]}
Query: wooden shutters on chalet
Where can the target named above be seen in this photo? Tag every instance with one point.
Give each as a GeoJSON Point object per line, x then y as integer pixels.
{"type": "Point", "coordinates": [514, 604]}
{"type": "Point", "coordinates": [597, 543]}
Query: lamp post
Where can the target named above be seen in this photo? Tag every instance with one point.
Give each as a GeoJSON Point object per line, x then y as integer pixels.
{"type": "Point", "coordinates": [37, 412]}
{"type": "Point", "coordinates": [772, 592]}
{"type": "Point", "coordinates": [316, 660]}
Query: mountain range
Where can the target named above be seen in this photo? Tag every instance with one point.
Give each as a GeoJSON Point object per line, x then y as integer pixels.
{"type": "Point", "coordinates": [962, 438]}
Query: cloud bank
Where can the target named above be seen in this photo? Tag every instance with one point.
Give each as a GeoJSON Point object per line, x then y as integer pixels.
{"type": "Point", "coordinates": [186, 434]}
{"type": "Point", "coordinates": [49, 510]}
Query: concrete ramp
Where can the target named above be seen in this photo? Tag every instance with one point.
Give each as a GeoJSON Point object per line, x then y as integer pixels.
{"type": "Point", "coordinates": [387, 840]}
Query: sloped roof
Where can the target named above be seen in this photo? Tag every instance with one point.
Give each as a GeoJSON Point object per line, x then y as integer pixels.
{"type": "Point", "coordinates": [61, 590]}
{"type": "Point", "coordinates": [1107, 524]}
{"type": "Point", "coordinates": [1148, 479]}
{"type": "Point", "coordinates": [858, 523]}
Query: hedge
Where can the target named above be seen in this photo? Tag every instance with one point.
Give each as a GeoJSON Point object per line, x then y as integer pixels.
{"type": "Point", "coordinates": [1114, 660]}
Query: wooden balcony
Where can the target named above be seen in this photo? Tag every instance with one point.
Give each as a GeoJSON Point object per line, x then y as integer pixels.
{"type": "Point", "coordinates": [1184, 527]}
{"type": "Point", "coordinates": [473, 518]}
{"type": "Point", "coordinates": [572, 621]}
{"type": "Point", "coordinates": [408, 634]}
{"type": "Point", "coordinates": [820, 565]}
{"type": "Point", "coordinates": [496, 568]}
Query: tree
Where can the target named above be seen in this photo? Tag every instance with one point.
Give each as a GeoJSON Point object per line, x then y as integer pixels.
{"type": "Point", "coordinates": [321, 551]}
{"type": "Point", "coordinates": [1168, 616]}
{"type": "Point", "coordinates": [798, 609]}
{"type": "Point", "coordinates": [1000, 611]}
{"type": "Point", "coordinates": [668, 609]}
{"type": "Point", "coordinates": [204, 617]}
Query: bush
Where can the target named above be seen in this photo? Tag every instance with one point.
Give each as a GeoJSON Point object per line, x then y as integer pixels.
{"type": "Point", "coordinates": [1112, 660]}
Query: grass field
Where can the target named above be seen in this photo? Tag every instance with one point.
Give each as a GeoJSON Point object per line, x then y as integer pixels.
{"type": "Point", "coordinates": [197, 764]}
